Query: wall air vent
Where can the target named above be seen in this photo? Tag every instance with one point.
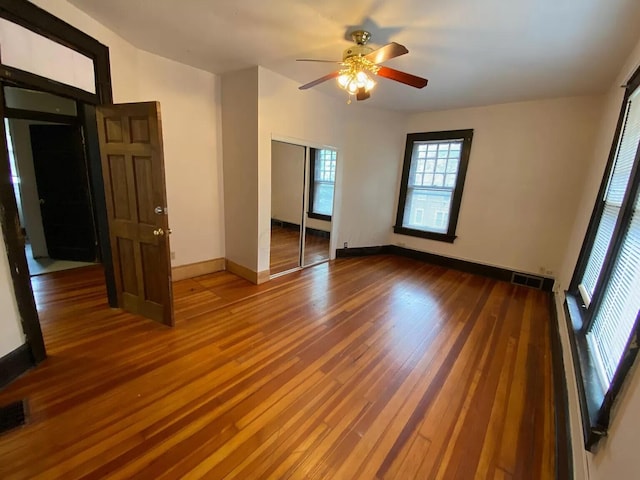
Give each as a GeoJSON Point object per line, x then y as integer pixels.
{"type": "Point", "coordinates": [527, 280]}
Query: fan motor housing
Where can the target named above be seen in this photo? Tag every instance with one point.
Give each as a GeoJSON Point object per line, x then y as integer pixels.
{"type": "Point", "coordinates": [356, 50]}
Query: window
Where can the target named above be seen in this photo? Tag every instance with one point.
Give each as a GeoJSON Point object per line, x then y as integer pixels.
{"type": "Point", "coordinates": [322, 181]}
{"type": "Point", "coordinates": [435, 165]}
{"type": "Point", "coordinates": [605, 291]}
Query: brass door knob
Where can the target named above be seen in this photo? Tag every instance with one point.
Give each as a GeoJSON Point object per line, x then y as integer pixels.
{"type": "Point", "coordinates": [159, 232]}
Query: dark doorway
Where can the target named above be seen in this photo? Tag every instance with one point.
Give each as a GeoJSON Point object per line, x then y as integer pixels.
{"type": "Point", "coordinates": [63, 189]}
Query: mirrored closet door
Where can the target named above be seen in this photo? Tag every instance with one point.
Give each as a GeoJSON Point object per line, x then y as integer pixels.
{"type": "Point", "coordinates": [302, 193]}
{"type": "Point", "coordinates": [319, 208]}
{"type": "Point", "coordinates": [287, 198]}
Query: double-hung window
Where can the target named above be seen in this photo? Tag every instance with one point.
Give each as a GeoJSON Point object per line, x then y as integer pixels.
{"type": "Point", "coordinates": [435, 165]}
{"type": "Point", "coordinates": [605, 289]}
{"type": "Point", "coordinates": [322, 182]}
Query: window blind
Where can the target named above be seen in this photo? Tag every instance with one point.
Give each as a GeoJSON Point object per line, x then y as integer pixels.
{"type": "Point", "coordinates": [618, 311]}
{"type": "Point", "coordinates": [615, 192]}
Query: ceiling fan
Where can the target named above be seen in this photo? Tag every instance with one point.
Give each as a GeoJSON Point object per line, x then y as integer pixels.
{"type": "Point", "coordinates": [361, 63]}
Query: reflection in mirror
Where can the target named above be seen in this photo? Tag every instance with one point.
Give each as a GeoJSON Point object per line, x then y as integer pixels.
{"type": "Point", "coordinates": [322, 177]}
{"type": "Point", "coordinates": [287, 200]}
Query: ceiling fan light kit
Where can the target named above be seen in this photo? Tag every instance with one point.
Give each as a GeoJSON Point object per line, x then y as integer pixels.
{"type": "Point", "coordinates": [360, 65]}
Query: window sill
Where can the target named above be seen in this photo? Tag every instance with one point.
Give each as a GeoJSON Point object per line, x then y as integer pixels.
{"type": "Point", "coordinates": [319, 216]}
{"type": "Point", "coordinates": [595, 402]}
{"type": "Point", "coordinates": [442, 237]}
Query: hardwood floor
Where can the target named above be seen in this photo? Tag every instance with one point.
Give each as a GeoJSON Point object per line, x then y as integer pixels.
{"type": "Point", "coordinates": [368, 368]}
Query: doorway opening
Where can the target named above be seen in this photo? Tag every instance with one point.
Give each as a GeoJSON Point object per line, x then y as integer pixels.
{"type": "Point", "coordinates": [76, 67]}
{"type": "Point", "coordinates": [50, 179]}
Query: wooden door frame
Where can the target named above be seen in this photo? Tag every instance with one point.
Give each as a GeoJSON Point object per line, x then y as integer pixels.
{"type": "Point", "coordinates": [43, 23]}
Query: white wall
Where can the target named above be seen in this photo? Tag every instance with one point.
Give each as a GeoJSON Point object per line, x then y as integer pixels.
{"type": "Point", "coordinates": [190, 104]}
{"type": "Point", "coordinates": [366, 140]}
{"type": "Point", "coordinates": [11, 336]}
{"type": "Point", "coordinates": [287, 181]}
{"type": "Point", "coordinates": [617, 455]}
{"type": "Point", "coordinates": [240, 147]}
{"type": "Point", "coordinates": [317, 224]}
{"type": "Point", "coordinates": [191, 126]}
{"type": "Point", "coordinates": [372, 153]}
{"type": "Point", "coordinates": [523, 182]}
{"type": "Point", "coordinates": [192, 135]}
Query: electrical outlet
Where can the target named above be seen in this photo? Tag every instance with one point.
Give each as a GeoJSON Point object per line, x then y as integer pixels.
{"type": "Point", "coordinates": [346, 244]}
{"type": "Point", "coordinates": [173, 255]}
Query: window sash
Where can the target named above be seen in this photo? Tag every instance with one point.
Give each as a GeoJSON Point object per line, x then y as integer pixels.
{"type": "Point", "coordinates": [618, 309]}
{"type": "Point", "coordinates": [617, 186]}
{"type": "Point", "coordinates": [609, 281]}
{"type": "Point", "coordinates": [433, 176]}
{"type": "Point", "coordinates": [441, 202]}
{"type": "Point", "coordinates": [604, 333]}
{"type": "Point", "coordinates": [323, 179]}
{"type": "Point", "coordinates": [322, 205]}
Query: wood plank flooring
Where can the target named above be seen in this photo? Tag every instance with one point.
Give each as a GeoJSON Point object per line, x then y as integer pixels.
{"type": "Point", "coordinates": [368, 368]}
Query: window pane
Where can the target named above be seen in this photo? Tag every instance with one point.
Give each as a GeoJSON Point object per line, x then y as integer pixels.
{"type": "Point", "coordinates": [325, 176]}
{"type": "Point", "coordinates": [323, 198]}
{"type": "Point", "coordinates": [621, 302]}
{"type": "Point", "coordinates": [616, 188]}
{"type": "Point", "coordinates": [427, 210]}
{"type": "Point", "coordinates": [431, 184]}
{"type": "Point", "coordinates": [31, 52]}
{"type": "Point", "coordinates": [431, 165]}
{"type": "Point", "coordinates": [325, 165]}
{"type": "Point", "coordinates": [450, 181]}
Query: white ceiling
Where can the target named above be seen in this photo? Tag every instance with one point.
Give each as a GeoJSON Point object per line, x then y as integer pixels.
{"type": "Point", "coordinates": [474, 52]}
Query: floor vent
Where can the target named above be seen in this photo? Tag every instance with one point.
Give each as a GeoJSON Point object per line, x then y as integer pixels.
{"type": "Point", "coordinates": [527, 280]}
{"type": "Point", "coordinates": [12, 416]}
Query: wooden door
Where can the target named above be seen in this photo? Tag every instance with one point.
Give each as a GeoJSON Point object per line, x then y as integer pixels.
{"type": "Point", "coordinates": [63, 189]}
{"type": "Point", "coordinates": [133, 168]}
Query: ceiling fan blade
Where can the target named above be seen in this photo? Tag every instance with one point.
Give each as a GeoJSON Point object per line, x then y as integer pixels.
{"type": "Point", "coordinates": [389, 51]}
{"type": "Point", "coordinates": [314, 60]}
{"type": "Point", "coordinates": [319, 80]}
{"type": "Point", "coordinates": [402, 77]}
{"type": "Point", "coordinates": [362, 94]}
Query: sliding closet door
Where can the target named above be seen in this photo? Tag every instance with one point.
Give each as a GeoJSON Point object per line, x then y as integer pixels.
{"type": "Point", "coordinates": [319, 205]}
{"type": "Point", "coordinates": [287, 204]}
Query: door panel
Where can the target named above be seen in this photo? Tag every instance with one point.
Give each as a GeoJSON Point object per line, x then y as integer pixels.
{"type": "Point", "coordinates": [133, 168]}
{"type": "Point", "coordinates": [63, 188]}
